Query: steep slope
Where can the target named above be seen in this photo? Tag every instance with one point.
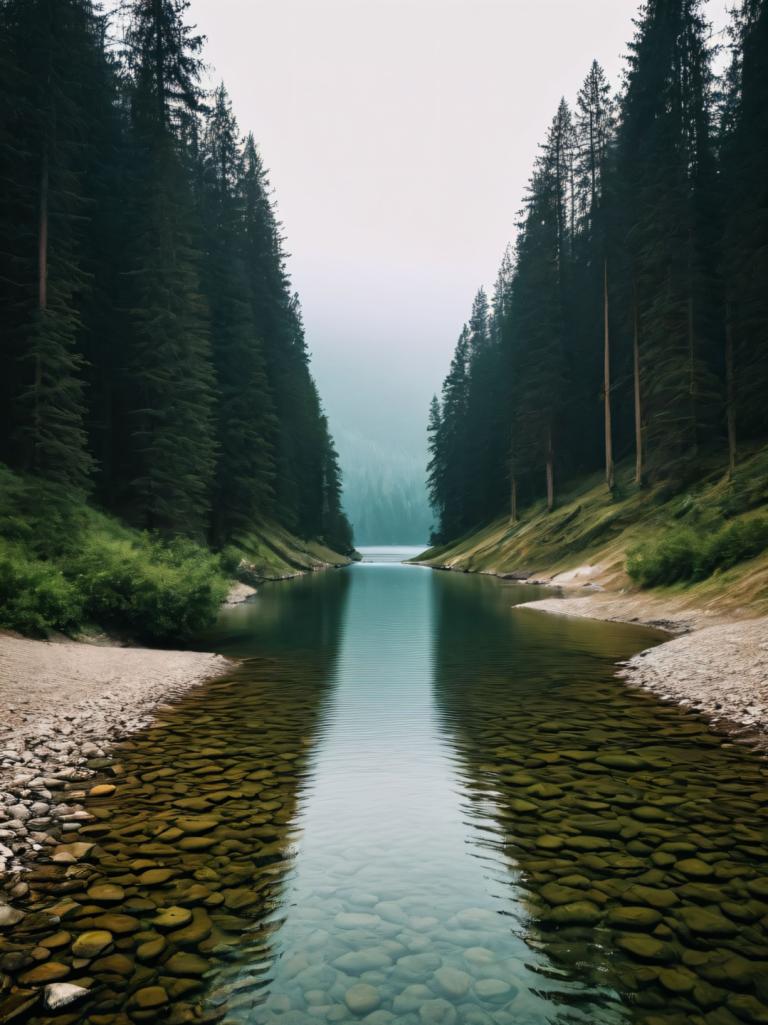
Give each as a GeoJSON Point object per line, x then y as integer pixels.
{"type": "Point", "coordinates": [586, 540]}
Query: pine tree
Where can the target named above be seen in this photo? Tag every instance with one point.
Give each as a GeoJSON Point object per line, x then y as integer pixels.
{"type": "Point", "coordinates": [746, 227]}
{"type": "Point", "coordinates": [666, 169]}
{"type": "Point", "coordinates": [436, 465]}
{"type": "Point", "coordinates": [336, 529]}
{"type": "Point", "coordinates": [455, 397]}
{"type": "Point", "coordinates": [245, 420]}
{"type": "Point", "coordinates": [594, 137]}
{"type": "Point", "coordinates": [51, 50]}
{"type": "Point", "coordinates": [171, 445]}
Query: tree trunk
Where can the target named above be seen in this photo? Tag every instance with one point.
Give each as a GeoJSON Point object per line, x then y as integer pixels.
{"type": "Point", "coordinates": [730, 391]}
{"type": "Point", "coordinates": [157, 11]}
{"type": "Point", "coordinates": [550, 473]}
{"type": "Point", "coordinates": [692, 384]}
{"type": "Point", "coordinates": [513, 500]}
{"type": "Point", "coordinates": [639, 464]}
{"type": "Point", "coordinates": [42, 238]}
{"type": "Point", "coordinates": [42, 296]}
{"type": "Point", "coordinates": [609, 467]}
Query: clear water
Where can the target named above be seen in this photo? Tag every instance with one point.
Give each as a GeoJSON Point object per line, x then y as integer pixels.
{"type": "Point", "coordinates": [413, 803]}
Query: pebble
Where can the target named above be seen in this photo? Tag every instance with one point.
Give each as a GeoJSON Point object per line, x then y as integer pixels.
{"type": "Point", "coordinates": [362, 998]}
{"type": "Point", "coordinates": [61, 994]}
{"type": "Point", "coordinates": [453, 982]}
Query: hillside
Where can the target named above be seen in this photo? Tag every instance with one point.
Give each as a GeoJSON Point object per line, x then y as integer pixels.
{"type": "Point", "coordinates": [70, 568]}
{"type": "Point", "coordinates": [587, 539]}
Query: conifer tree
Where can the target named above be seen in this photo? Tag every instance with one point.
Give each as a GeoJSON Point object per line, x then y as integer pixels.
{"type": "Point", "coordinates": [746, 228]}
{"type": "Point", "coordinates": [171, 443]}
{"type": "Point", "coordinates": [245, 420]}
{"type": "Point", "coordinates": [50, 53]}
{"type": "Point", "coordinates": [436, 465]}
{"type": "Point", "coordinates": [666, 167]}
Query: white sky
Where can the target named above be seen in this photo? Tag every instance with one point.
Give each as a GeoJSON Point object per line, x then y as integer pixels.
{"type": "Point", "coordinates": [400, 135]}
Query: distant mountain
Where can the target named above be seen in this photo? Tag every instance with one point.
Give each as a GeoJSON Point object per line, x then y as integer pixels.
{"type": "Point", "coordinates": [384, 492]}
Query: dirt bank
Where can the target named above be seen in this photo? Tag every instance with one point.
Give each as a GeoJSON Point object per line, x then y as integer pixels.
{"type": "Point", "coordinates": [61, 706]}
{"type": "Point", "coordinates": [719, 664]}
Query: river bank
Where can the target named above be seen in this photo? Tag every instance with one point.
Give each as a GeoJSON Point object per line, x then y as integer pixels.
{"type": "Point", "coordinates": [716, 661]}
{"type": "Point", "coordinates": [717, 664]}
{"type": "Point", "coordinates": [64, 704]}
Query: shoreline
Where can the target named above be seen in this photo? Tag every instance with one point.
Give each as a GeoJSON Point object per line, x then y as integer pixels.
{"type": "Point", "coordinates": [64, 705]}
{"type": "Point", "coordinates": [714, 663]}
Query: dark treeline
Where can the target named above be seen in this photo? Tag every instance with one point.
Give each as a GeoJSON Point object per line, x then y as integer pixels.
{"type": "Point", "coordinates": [631, 316]}
{"type": "Point", "coordinates": [153, 351]}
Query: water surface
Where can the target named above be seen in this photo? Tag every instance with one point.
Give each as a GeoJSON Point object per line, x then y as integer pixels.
{"type": "Point", "coordinates": [413, 803]}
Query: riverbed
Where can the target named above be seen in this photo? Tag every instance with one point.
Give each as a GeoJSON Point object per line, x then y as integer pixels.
{"type": "Point", "coordinates": [408, 804]}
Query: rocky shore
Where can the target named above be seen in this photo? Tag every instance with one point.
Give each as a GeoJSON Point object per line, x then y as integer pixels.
{"type": "Point", "coordinates": [717, 666]}
{"type": "Point", "coordinates": [63, 705]}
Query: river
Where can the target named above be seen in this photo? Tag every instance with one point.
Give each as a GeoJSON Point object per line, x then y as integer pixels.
{"type": "Point", "coordinates": [413, 803]}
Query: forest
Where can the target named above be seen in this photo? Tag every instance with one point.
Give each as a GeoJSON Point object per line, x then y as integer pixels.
{"type": "Point", "coordinates": [628, 324]}
{"type": "Point", "coordinates": [154, 357]}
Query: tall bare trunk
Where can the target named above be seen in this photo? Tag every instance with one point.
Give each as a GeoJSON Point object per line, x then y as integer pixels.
{"type": "Point", "coordinates": [550, 473]}
{"type": "Point", "coordinates": [609, 467]}
{"type": "Point", "coordinates": [692, 383]}
{"type": "Point", "coordinates": [42, 292]}
{"type": "Point", "coordinates": [42, 238]}
{"type": "Point", "coordinates": [639, 463]}
{"type": "Point", "coordinates": [730, 391]}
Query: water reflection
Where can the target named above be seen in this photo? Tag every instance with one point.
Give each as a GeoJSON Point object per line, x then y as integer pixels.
{"type": "Point", "coordinates": [634, 840]}
{"type": "Point", "coordinates": [412, 805]}
{"type": "Point", "coordinates": [166, 906]}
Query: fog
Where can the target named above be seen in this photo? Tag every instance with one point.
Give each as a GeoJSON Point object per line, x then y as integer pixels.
{"type": "Point", "coordinates": [400, 135]}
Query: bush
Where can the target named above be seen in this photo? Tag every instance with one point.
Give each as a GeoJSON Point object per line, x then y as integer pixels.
{"type": "Point", "coordinates": [159, 591]}
{"type": "Point", "coordinates": [63, 564]}
{"type": "Point", "coordinates": [35, 596]}
{"type": "Point", "coordinates": [685, 555]}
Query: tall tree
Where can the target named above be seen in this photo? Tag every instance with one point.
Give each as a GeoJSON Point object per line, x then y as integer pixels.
{"type": "Point", "coordinates": [170, 448]}
{"type": "Point", "coordinates": [51, 52]}
{"type": "Point", "coordinates": [745, 170]}
{"type": "Point", "coordinates": [243, 493]}
{"type": "Point", "coordinates": [666, 165]}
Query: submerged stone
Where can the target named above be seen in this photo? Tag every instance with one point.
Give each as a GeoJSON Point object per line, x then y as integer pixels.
{"type": "Point", "coordinates": [452, 982]}
{"type": "Point", "coordinates": [578, 912]}
{"type": "Point", "coordinates": [707, 923]}
{"type": "Point", "coordinates": [642, 918]}
{"type": "Point", "coordinates": [91, 944]}
{"type": "Point", "coordinates": [362, 998]}
{"type": "Point", "coordinates": [646, 948]}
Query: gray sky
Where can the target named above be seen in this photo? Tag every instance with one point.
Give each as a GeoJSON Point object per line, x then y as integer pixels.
{"type": "Point", "coordinates": [400, 135]}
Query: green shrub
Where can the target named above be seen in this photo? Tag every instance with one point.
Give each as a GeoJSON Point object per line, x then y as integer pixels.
{"type": "Point", "coordinates": [159, 591]}
{"type": "Point", "coordinates": [35, 596]}
{"type": "Point", "coordinates": [685, 555]}
{"type": "Point", "coordinates": [63, 564]}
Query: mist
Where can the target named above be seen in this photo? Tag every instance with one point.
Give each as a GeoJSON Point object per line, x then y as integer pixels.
{"type": "Point", "coordinates": [400, 136]}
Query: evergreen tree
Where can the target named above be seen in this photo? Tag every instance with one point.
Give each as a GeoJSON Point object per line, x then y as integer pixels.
{"type": "Point", "coordinates": [148, 319]}
{"type": "Point", "coordinates": [746, 227]}
{"type": "Point", "coordinates": [245, 420]}
{"type": "Point", "coordinates": [336, 529]}
{"type": "Point", "coordinates": [666, 166]}
{"type": "Point", "coordinates": [436, 465]}
{"type": "Point", "coordinates": [50, 55]}
{"type": "Point", "coordinates": [170, 449]}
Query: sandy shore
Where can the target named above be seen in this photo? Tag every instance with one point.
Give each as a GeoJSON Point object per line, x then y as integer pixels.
{"type": "Point", "coordinates": [718, 665]}
{"type": "Point", "coordinates": [63, 704]}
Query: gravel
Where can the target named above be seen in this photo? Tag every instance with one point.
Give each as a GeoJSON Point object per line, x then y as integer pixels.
{"type": "Point", "coordinates": [63, 705]}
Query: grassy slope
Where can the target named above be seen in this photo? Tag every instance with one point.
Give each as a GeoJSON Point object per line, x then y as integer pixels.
{"type": "Point", "coordinates": [273, 553]}
{"type": "Point", "coordinates": [70, 568]}
{"type": "Point", "coordinates": [590, 528]}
